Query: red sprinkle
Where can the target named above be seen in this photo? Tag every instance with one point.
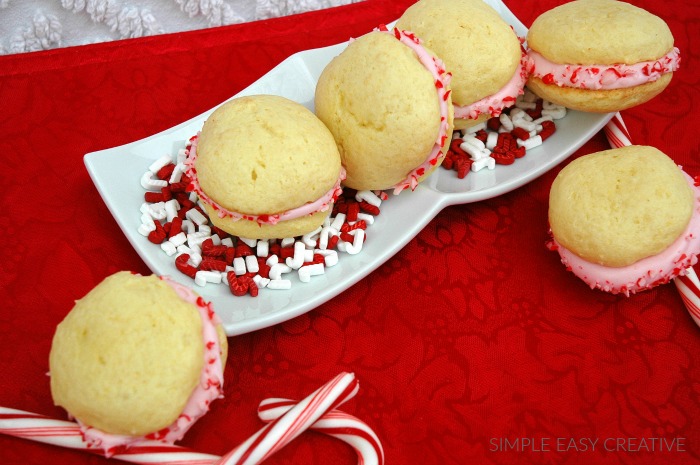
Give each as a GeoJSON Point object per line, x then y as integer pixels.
{"type": "Point", "coordinates": [353, 210]}
{"type": "Point", "coordinates": [332, 242]}
{"type": "Point", "coordinates": [158, 235]}
{"type": "Point", "coordinates": [347, 237]}
{"type": "Point", "coordinates": [165, 172]}
{"type": "Point", "coordinates": [184, 267]}
{"type": "Point", "coordinates": [503, 158]}
{"type": "Point", "coordinates": [175, 227]}
{"type": "Point", "coordinates": [286, 252]}
{"type": "Point", "coordinates": [238, 287]}
{"type": "Point", "coordinates": [167, 193]}
{"type": "Point", "coordinates": [520, 133]}
{"type": "Point", "coordinates": [548, 128]}
{"type": "Point", "coordinates": [493, 123]}
{"type": "Point", "coordinates": [153, 197]}
{"type": "Point", "coordinates": [243, 249]}
{"type": "Point", "coordinates": [212, 264]}
{"type": "Point", "coordinates": [369, 208]}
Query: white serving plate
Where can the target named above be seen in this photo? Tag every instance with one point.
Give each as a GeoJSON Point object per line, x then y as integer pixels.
{"type": "Point", "coordinates": [116, 173]}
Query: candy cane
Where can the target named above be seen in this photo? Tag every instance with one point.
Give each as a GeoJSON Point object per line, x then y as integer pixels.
{"type": "Point", "coordinates": [616, 132]}
{"type": "Point", "coordinates": [337, 424]}
{"type": "Point", "coordinates": [288, 420]}
{"type": "Point", "coordinates": [299, 418]}
{"type": "Point", "coordinates": [40, 428]}
{"type": "Point", "coordinates": [688, 285]}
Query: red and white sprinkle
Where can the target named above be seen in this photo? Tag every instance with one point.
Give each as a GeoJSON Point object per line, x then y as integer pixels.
{"type": "Point", "coordinates": [173, 218]}
{"type": "Point", "coordinates": [502, 139]}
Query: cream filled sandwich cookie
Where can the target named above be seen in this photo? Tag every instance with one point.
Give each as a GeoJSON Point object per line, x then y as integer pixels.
{"type": "Point", "coordinates": [600, 55]}
{"type": "Point", "coordinates": [137, 358]}
{"type": "Point", "coordinates": [265, 167]}
{"type": "Point", "coordinates": [625, 220]}
{"type": "Point", "coordinates": [488, 64]}
{"type": "Point", "coordinates": [387, 101]}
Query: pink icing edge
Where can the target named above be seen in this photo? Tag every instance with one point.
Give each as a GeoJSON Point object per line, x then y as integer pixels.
{"type": "Point", "coordinates": [604, 77]}
{"type": "Point", "coordinates": [209, 388]}
{"type": "Point", "coordinates": [494, 104]}
{"type": "Point", "coordinates": [647, 272]}
{"type": "Point", "coordinates": [442, 81]}
{"type": "Point", "coordinates": [319, 205]}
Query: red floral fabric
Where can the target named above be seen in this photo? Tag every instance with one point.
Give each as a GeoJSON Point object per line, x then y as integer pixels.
{"type": "Point", "coordinates": [471, 337]}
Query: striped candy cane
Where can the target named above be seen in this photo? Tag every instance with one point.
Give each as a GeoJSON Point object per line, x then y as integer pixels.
{"type": "Point", "coordinates": [299, 418]}
{"type": "Point", "coordinates": [40, 428]}
{"type": "Point", "coordinates": [337, 424]}
{"type": "Point", "coordinates": [288, 420]}
{"type": "Point", "coordinates": [688, 285]}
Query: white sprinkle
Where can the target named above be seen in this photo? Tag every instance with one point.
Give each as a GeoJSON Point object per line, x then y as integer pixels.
{"type": "Point", "coordinates": [144, 230]}
{"type": "Point", "coordinates": [486, 162]}
{"type": "Point", "coordinates": [307, 271]}
{"type": "Point", "coordinates": [182, 155]}
{"type": "Point", "coordinates": [178, 239]}
{"type": "Point", "coordinates": [239, 266]}
{"type": "Point", "coordinates": [171, 208]}
{"type": "Point", "coordinates": [330, 257]}
{"type": "Point", "coordinates": [476, 128]}
{"type": "Point", "coordinates": [157, 210]}
{"type": "Point", "coordinates": [530, 143]}
{"type": "Point", "coordinates": [491, 140]}
{"type": "Point", "coordinates": [194, 215]}
{"type": "Point", "coordinates": [177, 173]}
{"type": "Point", "coordinates": [260, 281]}
{"type": "Point", "coordinates": [277, 270]}
{"type": "Point", "coordinates": [369, 197]}
{"type": "Point", "coordinates": [506, 122]}
{"type": "Point", "coordinates": [203, 277]}
{"type": "Point", "coordinates": [159, 163]}
{"type": "Point", "coordinates": [148, 222]}
{"type": "Point", "coordinates": [169, 248]}
{"type": "Point", "coordinates": [297, 260]}
{"type": "Point", "coordinates": [182, 249]}
{"type": "Point", "coordinates": [263, 248]}
{"type": "Point", "coordinates": [309, 239]}
{"type": "Point", "coordinates": [251, 264]}
{"type": "Point", "coordinates": [248, 242]}
{"type": "Point", "coordinates": [358, 241]}
{"type": "Point", "coordinates": [473, 141]}
{"type": "Point", "coordinates": [188, 226]}
{"type": "Point", "coordinates": [366, 217]}
{"type": "Point", "coordinates": [338, 221]}
{"type": "Point", "coordinates": [279, 284]}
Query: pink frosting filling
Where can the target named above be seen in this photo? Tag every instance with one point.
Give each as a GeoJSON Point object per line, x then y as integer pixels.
{"type": "Point", "coordinates": [494, 104]}
{"type": "Point", "coordinates": [597, 77]}
{"type": "Point", "coordinates": [647, 272]}
{"type": "Point", "coordinates": [319, 205]}
{"type": "Point", "coordinates": [209, 388]}
{"type": "Point", "coordinates": [442, 80]}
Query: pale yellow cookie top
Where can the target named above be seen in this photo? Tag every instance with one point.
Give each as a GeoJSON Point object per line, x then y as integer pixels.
{"type": "Point", "coordinates": [480, 49]}
{"type": "Point", "coordinates": [591, 32]}
{"type": "Point", "coordinates": [128, 356]}
{"type": "Point", "coordinates": [382, 106]}
{"type": "Point", "coordinates": [265, 154]}
{"type": "Point", "coordinates": [618, 206]}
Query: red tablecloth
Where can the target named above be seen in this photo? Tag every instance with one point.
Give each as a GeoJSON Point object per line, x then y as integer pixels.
{"type": "Point", "coordinates": [471, 336]}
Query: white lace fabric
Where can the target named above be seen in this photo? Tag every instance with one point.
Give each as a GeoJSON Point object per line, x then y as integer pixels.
{"type": "Point", "coordinates": [27, 26]}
